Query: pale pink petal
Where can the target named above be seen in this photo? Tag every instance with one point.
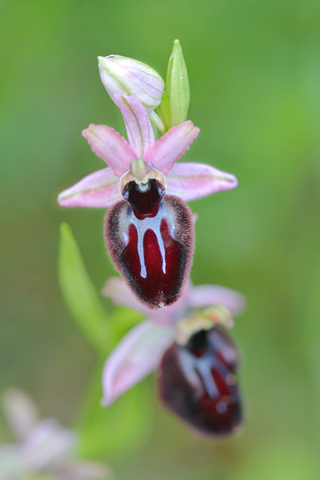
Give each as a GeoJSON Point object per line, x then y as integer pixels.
{"type": "Point", "coordinates": [120, 293]}
{"type": "Point", "coordinates": [168, 149]}
{"type": "Point", "coordinates": [207, 295]}
{"type": "Point", "coordinates": [85, 471]}
{"type": "Point", "coordinates": [21, 413]}
{"type": "Point", "coordinates": [139, 129]}
{"type": "Point", "coordinates": [111, 147]}
{"type": "Point", "coordinates": [138, 354]}
{"type": "Point", "coordinates": [99, 190]}
{"type": "Point", "coordinates": [48, 443]}
{"type": "Point", "coordinates": [195, 180]}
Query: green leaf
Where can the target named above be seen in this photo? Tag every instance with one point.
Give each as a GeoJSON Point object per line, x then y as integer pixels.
{"type": "Point", "coordinates": [123, 319]}
{"type": "Point", "coordinates": [116, 430]}
{"type": "Point", "coordinates": [80, 295]}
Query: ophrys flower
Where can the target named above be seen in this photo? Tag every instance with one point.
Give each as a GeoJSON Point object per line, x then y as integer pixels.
{"type": "Point", "coordinates": [149, 229]}
{"type": "Point", "coordinates": [195, 358]}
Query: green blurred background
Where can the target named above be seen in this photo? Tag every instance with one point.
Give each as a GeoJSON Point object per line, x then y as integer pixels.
{"type": "Point", "coordinates": [254, 71]}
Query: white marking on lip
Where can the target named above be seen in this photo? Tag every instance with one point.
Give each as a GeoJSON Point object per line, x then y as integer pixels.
{"type": "Point", "coordinates": [153, 224]}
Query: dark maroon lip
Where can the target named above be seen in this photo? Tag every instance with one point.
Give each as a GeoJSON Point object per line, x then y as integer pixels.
{"type": "Point", "coordinates": [150, 239]}
{"type": "Point", "coordinates": [198, 382]}
{"type": "Point", "coordinates": [144, 199]}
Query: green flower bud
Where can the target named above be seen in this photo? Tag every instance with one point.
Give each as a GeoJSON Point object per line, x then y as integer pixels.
{"type": "Point", "coordinates": [177, 86]}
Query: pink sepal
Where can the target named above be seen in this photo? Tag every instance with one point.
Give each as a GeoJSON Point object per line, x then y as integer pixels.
{"type": "Point", "coordinates": [21, 413]}
{"type": "Point", "coordinates": [195, 180]}
{"type": "Point", "coordinates": [168, 149]}
{"type": "Point", "coordinates": [207, 295]}
{"type": "Point", "coordinates": [120, 293]}
{"type": "Point", "coordinates": [47, 444]}
{"type": "Point", "coordinates": [138, 354]}
{"type": "Point", "coordinates": [111, 147]}
{"type": "Point", "coordinates": [98, 190]}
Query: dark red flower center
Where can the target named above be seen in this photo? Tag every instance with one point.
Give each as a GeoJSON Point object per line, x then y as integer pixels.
{"type": "Point", "coordinates": [198, 382]}
{"type": "Point", "coordinates": [144, 198]}
{"type": "Point", "coordinates": [150, 240]}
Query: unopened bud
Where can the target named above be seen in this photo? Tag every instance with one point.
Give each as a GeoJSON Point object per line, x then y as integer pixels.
{"type": "Point", "coordinates": [177, 86]}
{"type": "Point", "coordinates": [127, 76]}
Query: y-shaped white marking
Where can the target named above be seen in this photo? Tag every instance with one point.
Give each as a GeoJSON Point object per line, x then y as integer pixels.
{"type": "Point", "coordinates": [154, 224]}
{"type": "Point", "coordinates": [204, 368]}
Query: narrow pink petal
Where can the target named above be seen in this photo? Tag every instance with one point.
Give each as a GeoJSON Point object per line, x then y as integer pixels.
{"type": "Point", "coordinates": [168, 149]}
{"type": "Point", "coordinates": [98, 190]}
{"type": "Point", "coordinates": [136, 118]}
{"type": "Point", "coordinates": [120, 293]}
{"type": "Point", "coordinates": [20, 412]}
{"type": "Point", "coordinates": [207, 295]}
{"type": "Point", "coordinates": [111, 147]}
{"type": "Point", "coordinates": [138, 354]}
{"type": "Point", "coordinates": [195, 180]}
{"type": "Point", "coordinates": [47, 444]}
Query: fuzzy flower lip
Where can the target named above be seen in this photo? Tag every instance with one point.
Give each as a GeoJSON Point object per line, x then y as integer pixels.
{"type": "Point", "coordinates": [141, 350]}
{"type": "Point", "coordinates": [131, 77]}
{"type": "Point", "coordinates": [189, 181]}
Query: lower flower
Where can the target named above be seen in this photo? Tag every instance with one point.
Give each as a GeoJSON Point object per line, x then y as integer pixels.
{"type": "Point", "coordinates": [198, 382]}
{"type": "Point", "coordinates": [195, 358]}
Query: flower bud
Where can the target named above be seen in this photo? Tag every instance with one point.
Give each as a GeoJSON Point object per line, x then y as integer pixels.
{"type": "Point", "coordinates": [127, 76]}
{"type": "Point", "coordinates": [177, 86]}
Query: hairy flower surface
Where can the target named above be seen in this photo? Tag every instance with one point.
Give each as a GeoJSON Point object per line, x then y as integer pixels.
{"type": "Point", "coordinates": [149, 229]}
{"type": "Point", "coordinates": [188, 344]}
{"type": "Point", "coordinates": [198, 381]}
{"type": "Point", "coordinates": [43, 448]}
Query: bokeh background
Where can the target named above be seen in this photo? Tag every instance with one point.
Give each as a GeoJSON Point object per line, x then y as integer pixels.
{"type": "Point", "coordinates": [254, 71]}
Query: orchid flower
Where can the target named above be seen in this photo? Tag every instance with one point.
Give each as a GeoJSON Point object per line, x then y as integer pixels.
{"type": "Point", "coordinates": [43, 448]}
{"type": "Point", "coordinates": [196, 360]}
{"type": "Point", "coordinates": [149, 229]}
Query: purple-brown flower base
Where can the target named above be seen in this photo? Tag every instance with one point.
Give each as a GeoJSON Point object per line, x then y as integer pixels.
{"type": "Point", "coordinates": [151, 244]}
{"type": "Point", "coordinates": [198, 382]}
